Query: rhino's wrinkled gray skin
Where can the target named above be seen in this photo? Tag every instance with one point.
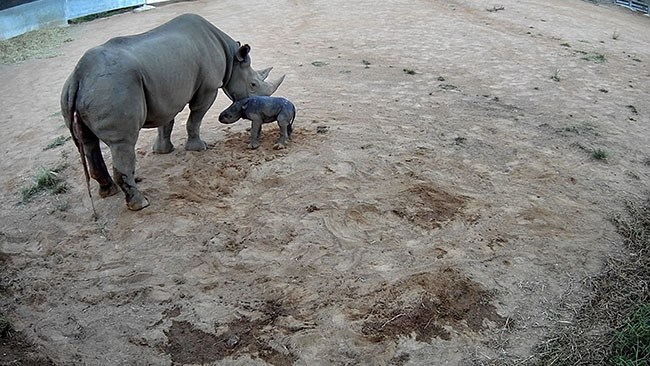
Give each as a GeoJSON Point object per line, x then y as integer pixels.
{"type": "Point", "coordinates": [261, 110]}
{"type": "Point", "coordinates": [144, 80]}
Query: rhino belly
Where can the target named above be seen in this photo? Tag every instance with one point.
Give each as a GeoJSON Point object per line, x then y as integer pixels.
{"type": "Point", "coordinates": [157, 117]}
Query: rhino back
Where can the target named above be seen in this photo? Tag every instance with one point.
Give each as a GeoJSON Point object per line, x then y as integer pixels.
{"type": "Point", "coordinates": [160, 69]}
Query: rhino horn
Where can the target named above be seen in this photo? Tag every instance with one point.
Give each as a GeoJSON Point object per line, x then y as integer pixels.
{"type": "Point", "coordinates": [265, 73]}
{"type": "Point", "coordinates": [276, 84]}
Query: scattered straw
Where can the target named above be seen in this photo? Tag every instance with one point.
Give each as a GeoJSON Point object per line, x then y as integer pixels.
{"type": "Point", "coordinates": [618, 295]}
{"type": "Point", "coordinates": [40, 43]}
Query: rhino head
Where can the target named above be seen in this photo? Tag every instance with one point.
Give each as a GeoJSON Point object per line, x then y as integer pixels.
{"type": "Point", "coordinates": [245, 82]}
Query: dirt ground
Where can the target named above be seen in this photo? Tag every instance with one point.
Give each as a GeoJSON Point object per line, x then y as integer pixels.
{"type": "Point", "coordinates": [439, 205]}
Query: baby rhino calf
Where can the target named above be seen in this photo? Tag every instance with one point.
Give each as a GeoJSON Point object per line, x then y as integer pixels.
{"type": "Point", "coordinates": [261, 110]}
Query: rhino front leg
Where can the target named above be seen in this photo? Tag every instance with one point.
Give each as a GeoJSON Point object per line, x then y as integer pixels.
{"type": "Point", "coordinates": [124, 174]}
{"type": "Point", "coordinates": [163, 144]}
{"type": "Point", "coordinates": [256, 128]}
{"type": "Point", "coordinates": [199, 106]}
{"type": "Point", "coordinates": [260, 133]}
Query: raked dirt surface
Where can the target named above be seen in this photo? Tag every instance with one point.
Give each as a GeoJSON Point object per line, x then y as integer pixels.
{"type": "Point", "coordinates": [439, 204]}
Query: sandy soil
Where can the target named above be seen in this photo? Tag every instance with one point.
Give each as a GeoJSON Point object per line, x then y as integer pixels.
{"type": "Point", "coordinates": [445, 217]}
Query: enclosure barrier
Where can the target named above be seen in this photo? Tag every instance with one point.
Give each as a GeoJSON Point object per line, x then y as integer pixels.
{"type": "Point", "coordinates": [20, 16]}
{"type": "Point", "coordinates": [638, 5]}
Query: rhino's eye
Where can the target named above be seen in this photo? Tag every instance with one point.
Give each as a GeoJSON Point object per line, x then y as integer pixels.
{"type": "Point", "coordinates": [254, 84]}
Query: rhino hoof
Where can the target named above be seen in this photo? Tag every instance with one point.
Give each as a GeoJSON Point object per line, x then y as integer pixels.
{"type": "Point", "coordinates": [137, 206]}
{"type": "Point", "coordinates": [279, 146]}
{"type": "Point", "coordinates": [195, 145]}
{"type": "Point", "coordinates": [111, 190]}
{"type": "Point", "coordinates": [166, 149]}
{"type": "Point", "coordinates": [253, 146]}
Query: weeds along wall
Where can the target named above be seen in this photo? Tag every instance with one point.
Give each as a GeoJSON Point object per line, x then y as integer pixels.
{"type": "Point", "coordinates": [20, 16]}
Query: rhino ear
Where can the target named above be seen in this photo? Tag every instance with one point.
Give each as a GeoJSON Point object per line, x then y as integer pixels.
{"type": "Point", "coordinates": [242, 53]}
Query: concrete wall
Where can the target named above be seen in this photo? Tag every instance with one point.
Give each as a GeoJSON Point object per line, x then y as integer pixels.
{"type": "Point", "coordinates": [43, 13]}
{"type": "Point", "coordinates": [79, 8]}
{"type": "Point", "coordinates": [24, 18]}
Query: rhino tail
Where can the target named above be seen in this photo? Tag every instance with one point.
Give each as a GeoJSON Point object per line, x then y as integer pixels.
{"type": "Point", "coordinates": [73, 121]}
{"type": "Point", "coordinates": [77, 134]}
{"type": "Point", "coordinates": [293, 117]}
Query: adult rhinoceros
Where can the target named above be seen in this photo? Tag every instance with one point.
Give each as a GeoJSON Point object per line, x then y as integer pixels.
{"type": "Point", "coordinates": [143, 81]}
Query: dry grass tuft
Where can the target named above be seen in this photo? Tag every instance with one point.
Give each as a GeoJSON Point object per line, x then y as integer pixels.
{"type": "Point", "coordinates": [599, 331]}
{"type": "Point", "coordinates": [40, 43]}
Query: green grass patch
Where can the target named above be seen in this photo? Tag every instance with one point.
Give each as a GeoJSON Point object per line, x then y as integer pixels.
{"type": "Point", "coordinates": [448, 87]}
{"type": "Point", "coordinates": [598, 58]}
{"type": "Point", "coordinates": [44, 180]}
{"type": "Point", "coordinates": [57, 142]}
{"type": "Point", "coordinates": [63, 206]}
{"type": "Point", "coordinates": [319, 63]}
{"type": "Point", "coordinates": [556, 76]}
{"type": "Point", "coordinates": [410, 71]}
{"type": "Point", "coordinates": [565, 44]}
{"type": "Point", "coordinates": [42, 43]}
{"type": "Point", "coordinates": [600, 154]}
{"type": "Point", "coordinates": [632, 343]}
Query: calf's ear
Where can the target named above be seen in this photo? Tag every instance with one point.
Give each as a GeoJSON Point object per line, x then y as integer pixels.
{"type": "Point", "coordinates": [242, 53]}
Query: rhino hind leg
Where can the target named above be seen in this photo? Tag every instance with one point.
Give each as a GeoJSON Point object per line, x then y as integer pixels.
{"type": "Point", "coordinates": [163, 144]}
{"type": "Point", "coordinates": [199, 105]}
{"type": "Point", "coordinates": [96, 164]}
{"type": "Point", "coordinates": [124, 174]}
{"type": "Point", "coordinates": [285, 132]}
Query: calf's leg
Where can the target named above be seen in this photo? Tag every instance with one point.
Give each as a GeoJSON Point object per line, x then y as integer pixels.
{"type": "Point", "coordinates": [256, 127]}
{"type": "Point", "coordinates": [284, 122]}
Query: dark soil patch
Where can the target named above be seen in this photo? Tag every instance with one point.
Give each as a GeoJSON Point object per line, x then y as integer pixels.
{"type": "Point", "coordinates": [188, 345]}
{"type": "Point", "coordinates": [399, 360]}
{"type": "Point", "coordinates": [16, 349]}
{"type": "Point", "coordinates": [425, 303]}
{"type": "Point", "coordinates": [429, 207]}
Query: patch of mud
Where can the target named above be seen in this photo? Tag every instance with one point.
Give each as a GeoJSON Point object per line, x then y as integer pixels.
{"type": "Point", "coordinates": [399, 360]}
{"type": "Point", "coordinates": [243, 336]}
{"type": "Point", "coordinates": [16, 349]}
{"type": "Point", "coordinates": [428, 207]}
{"type": "Point", "coordinates": [218, 171]}
{"type": "Point", "coordinates": [426, 304]}
{"type": "Point", "coordinates": [4, 257]}
{"type": "Point", "coordinates": [218, 180]}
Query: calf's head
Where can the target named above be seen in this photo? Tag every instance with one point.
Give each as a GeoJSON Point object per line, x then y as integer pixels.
{"type": "Point", "coordinates": [245, 82]}
{"type": "Point", "coordinates": [233, 113]}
